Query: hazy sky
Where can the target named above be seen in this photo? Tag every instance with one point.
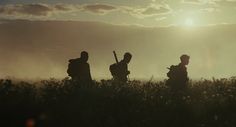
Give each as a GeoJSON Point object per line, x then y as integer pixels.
{"type": "Point", "coordinates": [37, 38]}
{"type": "Point", "coordinates": [142, 12]}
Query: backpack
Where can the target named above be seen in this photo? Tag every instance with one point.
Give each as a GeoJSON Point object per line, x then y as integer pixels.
{"type": "Point", "coordinates": [173, 71]}
{"type": "Point", "coordinates": [71, 71]}
{"type": "Point", "coordinates": [114, 69]}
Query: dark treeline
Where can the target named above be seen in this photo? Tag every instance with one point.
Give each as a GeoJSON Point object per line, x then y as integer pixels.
{"type": "Point", "coordinates": [54, 103]}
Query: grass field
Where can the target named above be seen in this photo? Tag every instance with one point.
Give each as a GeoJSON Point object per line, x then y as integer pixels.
{"type": "Point", "coordinates": [54, 103]}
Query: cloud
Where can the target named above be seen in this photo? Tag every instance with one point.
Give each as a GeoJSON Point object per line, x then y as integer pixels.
{"type": "Point", "coordinates": [155, 10]}
{"type": "Point", "coordinates": [161, 18]}
{"type": "Point", "coordinates": [99, 8]}
{"type": "Point", "coordinates": [227, 3]}
{"type": "Point", "coordinates": [201, 2]}
{"type": "Point", "coordinates": [64, 7]}
{"type": "Point", "coordinates": [149, 11]}
{"type": "Point", "coordinates": [192, 1]}
{"type": "Point", "coordinates": [26, 9]}
{"type": "Point", "coordinates": [209, 10]}
{"type": "Point", "coordinates": [212, 2]}
{"type": "Point", "coordinates": [47, 9]}
{"type": "Point", "coordinates": [36, 11]}
{"type": "Point", "coordinates": [209, 6]}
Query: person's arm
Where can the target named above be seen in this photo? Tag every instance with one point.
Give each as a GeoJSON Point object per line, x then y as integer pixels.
{"type": "Point", "coordinates": [89, 74]}
{"type": "Point", "coordinates": [186, 75]}
{"type": "Point", "coordinates": [127, 71]}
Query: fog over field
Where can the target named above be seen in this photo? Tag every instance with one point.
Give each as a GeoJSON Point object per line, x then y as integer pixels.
{"type": "Point", "coordinates": [41, 49]}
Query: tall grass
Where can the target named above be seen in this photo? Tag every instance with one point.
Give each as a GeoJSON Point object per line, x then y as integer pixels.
{"type": "Point", "coordinates": [54, 103]}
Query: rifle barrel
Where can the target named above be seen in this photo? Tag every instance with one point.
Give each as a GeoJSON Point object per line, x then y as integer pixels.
{"type": "Point", "coordinates": [114, 52]}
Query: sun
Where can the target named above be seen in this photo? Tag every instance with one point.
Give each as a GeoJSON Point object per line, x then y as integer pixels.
{"type": "Point", "coordinates": [189, 22]}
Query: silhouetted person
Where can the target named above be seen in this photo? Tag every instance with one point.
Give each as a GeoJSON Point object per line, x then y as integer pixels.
{"type": "Point", "coordinates": [178, 75]}
{"type": "Point", "coordinates": [120, 70]}
{"type": "Point", "coordinates": [78, 69]}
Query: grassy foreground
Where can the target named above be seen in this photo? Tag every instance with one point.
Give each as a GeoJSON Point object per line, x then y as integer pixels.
{"type": "Point", "coordinates": [54, 103]}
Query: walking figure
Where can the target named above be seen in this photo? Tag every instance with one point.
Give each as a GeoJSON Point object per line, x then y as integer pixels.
{"type": "Point", "coordinates": [78, 69]}
{"type": "Point", "coordinates": [119, 70]}
{"type": "Point", "coordinates": [178, 75]}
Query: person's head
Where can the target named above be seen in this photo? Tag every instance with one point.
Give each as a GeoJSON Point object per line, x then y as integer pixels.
{"type": "Point", "coordinates": [127, 57]}
{"type": "Point", "coordinates": [84, 56]}
{"type": "Point", "coordinates": [184, 59]}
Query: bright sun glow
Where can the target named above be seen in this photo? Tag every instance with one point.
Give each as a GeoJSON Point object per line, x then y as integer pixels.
{"type": "Point", "coordinates": [189, 22]}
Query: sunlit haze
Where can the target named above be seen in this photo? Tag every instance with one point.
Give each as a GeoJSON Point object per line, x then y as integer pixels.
{"type": "Point", "coordinates": [189, 22]}
{"type": "Point", "coordinates": [37, 38]}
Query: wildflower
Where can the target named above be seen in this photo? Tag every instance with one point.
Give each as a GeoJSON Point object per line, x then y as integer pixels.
{"type": "Point", "coordinates": [161, 97]}
{"type": "Point", "coordinates": [216, 117]}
